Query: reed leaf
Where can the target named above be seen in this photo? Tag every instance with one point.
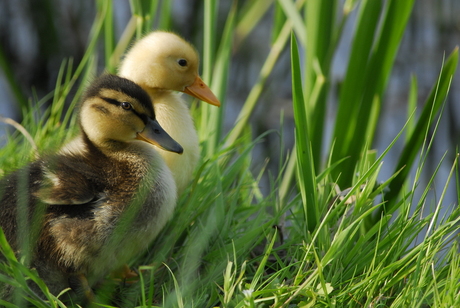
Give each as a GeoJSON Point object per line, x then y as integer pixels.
{"type": "Point", "coordinates": [305, 163]}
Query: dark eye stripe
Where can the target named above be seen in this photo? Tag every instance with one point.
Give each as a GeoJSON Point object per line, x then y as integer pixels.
{"type": "Point", "coordinates": [111, 101]}
{"type": "Point", "coordinates": [143, 117]}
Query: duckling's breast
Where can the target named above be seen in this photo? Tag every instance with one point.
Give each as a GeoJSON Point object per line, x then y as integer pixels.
{"type": "Point", "coordinates": [174, 116]}
{"type": "Point", "coordinates": [137, 221]}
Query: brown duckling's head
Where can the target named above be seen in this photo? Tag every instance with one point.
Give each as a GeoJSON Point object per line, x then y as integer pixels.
{"type": "Point", "coordinates": [115, 110]}
{"type": "Point", "coordinates": [164, 61]}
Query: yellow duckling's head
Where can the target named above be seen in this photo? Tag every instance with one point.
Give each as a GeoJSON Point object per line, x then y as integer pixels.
{"type": "Point", "coordinates": [164, 61]}
{"type": "Point", "coordinates": [116, 111]}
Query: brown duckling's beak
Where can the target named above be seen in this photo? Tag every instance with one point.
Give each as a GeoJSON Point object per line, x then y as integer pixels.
{"type": "Point", "coordinates": [154, 134]}
{"type": "Point", "coordinates": [201, 91]}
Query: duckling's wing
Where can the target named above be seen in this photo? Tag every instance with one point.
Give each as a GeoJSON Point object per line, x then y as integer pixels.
{"type": "Point", "coordinates": [64, 184]}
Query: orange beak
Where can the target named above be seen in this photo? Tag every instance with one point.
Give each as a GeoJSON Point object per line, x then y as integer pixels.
{"type": "Point", "coordinates": [201, 91]}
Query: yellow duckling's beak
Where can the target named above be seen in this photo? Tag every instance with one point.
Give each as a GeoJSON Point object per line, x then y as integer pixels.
{"type": "Point", "coordinates": [201, 91]}
{"type": "Point", "coordinates": [154, 134]}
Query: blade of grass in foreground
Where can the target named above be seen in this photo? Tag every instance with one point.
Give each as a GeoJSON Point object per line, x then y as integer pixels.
{"type": "Point", "coordinates": [305, 164]}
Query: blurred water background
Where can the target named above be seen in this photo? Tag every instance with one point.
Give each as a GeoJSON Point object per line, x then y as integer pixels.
{"type": "Point", "coordinates": [37, 35]}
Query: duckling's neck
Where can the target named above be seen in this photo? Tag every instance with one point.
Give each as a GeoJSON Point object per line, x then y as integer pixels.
{"type": "Point", "coordinates": [83, 145]}
{"type": "Point", "coordinates": [158, 94]}
{"type": "Point", "coordinates": [174, 116]}
{"type": "Point", "coordinates": [171, 112]}
{"type": "Point", "coordinates": [106, 146]}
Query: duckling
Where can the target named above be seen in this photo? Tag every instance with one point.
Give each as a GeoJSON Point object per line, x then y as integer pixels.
{"type": "Point", "coordinates": [101, 199]}
{"type": "Point", "coordinates": [162, 63]}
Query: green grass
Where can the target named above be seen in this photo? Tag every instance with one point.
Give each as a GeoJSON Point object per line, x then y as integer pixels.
{"type": "Point", "coordinates": [328, 233]}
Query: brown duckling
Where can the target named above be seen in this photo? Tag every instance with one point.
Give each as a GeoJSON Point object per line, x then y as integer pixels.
{"type": "Point", "coordinates": [163, 63]}
{"type": "Point", "coordinates": [102, 198]}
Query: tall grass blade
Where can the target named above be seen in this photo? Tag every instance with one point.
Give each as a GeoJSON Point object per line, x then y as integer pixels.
{"type": "Point", "coordinates": [395, 18]}
{"type": "Point", "coordinates": [208, 58]}
{"type": "Point", "coordinates": [109, 35]}
{"type": "Point", "coordinates": [305, 163]}
{"type": "Point", "coordinates": [353, 86]}
{"type": "Point", "coordinates": [411, 107]}
{"type": "Point", "coordinates": [212, 118]}
{"type": "Point", "coordinates": [320, 25]}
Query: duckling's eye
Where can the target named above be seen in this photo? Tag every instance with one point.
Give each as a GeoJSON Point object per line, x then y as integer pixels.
{"type": "Point", "coordinates": [126, 106]}
{"type": "Point", "coordinates": [182, 62]}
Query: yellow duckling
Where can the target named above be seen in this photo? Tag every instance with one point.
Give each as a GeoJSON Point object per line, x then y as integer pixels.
{"type": "Point", "coordinates": [102, 198]}
{"type": "Point", "coordinates": [163, 63]}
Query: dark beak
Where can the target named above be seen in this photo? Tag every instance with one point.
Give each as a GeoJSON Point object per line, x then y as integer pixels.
{"type": "Point", "coordinates": [154, 134]}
